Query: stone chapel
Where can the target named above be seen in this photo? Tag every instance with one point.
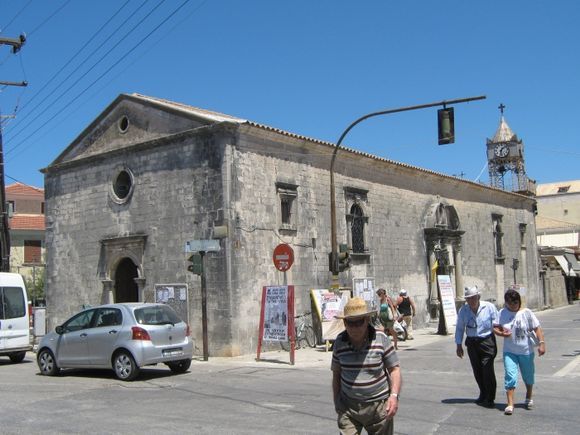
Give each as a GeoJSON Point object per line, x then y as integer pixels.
{"type": "Point", "coordinates": [148, 175]}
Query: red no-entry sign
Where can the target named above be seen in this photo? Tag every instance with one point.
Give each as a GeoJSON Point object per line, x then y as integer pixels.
{"type": "Point", "coordinates": [283, 257]}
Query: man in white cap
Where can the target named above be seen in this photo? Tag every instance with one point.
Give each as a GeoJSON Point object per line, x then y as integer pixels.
{"type": "Point", "coordinates": [476, 319]}
{"type": "Point", "coordinates": [364, 395]}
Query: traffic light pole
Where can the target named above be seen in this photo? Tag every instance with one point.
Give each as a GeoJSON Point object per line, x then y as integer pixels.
{"type": "Point", "coordinates": [204, 310]}
{"type": "Point", "coordinates": [334, 243]}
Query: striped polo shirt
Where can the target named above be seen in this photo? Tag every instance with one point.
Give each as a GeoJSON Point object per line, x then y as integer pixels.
{"type": "Point", "coordinates": [363, 373]}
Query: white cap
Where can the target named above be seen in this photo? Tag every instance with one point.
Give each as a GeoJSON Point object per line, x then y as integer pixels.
{"type": "Point", "coordinates": [470, 292]}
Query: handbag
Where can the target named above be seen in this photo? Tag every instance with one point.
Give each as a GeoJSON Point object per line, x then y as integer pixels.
{"type": "Point", "coordinates": [532, 336]}
{"type": "Point", "coordinates": [386, 315]}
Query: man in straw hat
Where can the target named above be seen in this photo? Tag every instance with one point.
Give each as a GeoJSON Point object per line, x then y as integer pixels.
{"type": "Point", "coordinates": [366, 380]}
{"type": "Point", "coordinates": [476, 319]}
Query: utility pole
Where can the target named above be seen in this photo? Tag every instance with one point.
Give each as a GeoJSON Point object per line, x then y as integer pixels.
{"type": "Point", "coordinates": [4, 228]}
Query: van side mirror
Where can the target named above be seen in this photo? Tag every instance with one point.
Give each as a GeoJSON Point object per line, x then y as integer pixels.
{"type": "Point", "coordinates": [59, 330]}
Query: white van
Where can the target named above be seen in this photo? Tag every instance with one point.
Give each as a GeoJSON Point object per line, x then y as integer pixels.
{"type": "Point", "coordinates": [14, 317]}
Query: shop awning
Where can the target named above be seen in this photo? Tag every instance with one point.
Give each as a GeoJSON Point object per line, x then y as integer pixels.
{"type": "Point", "coordinates": [573, 261]}
{"type": "Point", "coordinates": [563, 262]}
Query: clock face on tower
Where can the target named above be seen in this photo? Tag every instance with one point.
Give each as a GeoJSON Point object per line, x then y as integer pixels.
{"type": "Point", "coordinates": [501, 150]}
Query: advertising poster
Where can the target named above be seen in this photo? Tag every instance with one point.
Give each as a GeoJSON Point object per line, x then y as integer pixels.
{"type": "Point", "coordinates": [276, 314]}
{"type": "Point", "coordinates": [174, 295]}
{"type": "Point", "coordinates": [447, 301]}
{"type": "Point", "coordinates": [328, 304]}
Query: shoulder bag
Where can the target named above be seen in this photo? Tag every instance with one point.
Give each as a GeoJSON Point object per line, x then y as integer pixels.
{"type": "Point", "coordinates": [531, 333]}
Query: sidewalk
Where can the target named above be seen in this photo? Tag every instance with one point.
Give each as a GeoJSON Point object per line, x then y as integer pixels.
{"type": "Point", "coordinates": [316, 357]}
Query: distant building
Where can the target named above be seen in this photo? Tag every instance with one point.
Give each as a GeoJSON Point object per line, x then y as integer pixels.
{"type": "Point", "coordinates": [558, 231]}
{"type": "Point", "coordinates": [148, 175]}
{"type": "Point", "coordinates": [26, 223]}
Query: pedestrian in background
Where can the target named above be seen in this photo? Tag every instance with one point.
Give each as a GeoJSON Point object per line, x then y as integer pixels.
{"type": "Point", "coordinates": [366, 377]}
{"type": "Point", "coordinates": [387, 315]}
{"type": "Point", "coordinates": [476, 319]}
{"type": "Point", "coordinates": [520, 329]}
{"type": "Point", "coordinates": [406, 307]}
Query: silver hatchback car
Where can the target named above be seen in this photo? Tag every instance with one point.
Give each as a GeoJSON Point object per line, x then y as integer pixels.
{"type": "Point", "coordinates": [123, 337]}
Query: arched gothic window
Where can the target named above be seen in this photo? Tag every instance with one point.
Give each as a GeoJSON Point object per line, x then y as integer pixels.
{"type": "Point", "coordinates": [357, 229]}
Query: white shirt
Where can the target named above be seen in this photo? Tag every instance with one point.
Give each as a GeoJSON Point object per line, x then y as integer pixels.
{"type": "Point", "coordinates": [519, 323]}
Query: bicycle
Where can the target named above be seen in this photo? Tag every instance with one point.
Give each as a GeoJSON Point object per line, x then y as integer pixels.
{"type": "Point", "coordinates": [304, 333]}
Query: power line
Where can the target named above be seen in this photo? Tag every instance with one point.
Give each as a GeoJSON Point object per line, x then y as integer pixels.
{"type": "Point", "coordinates": [105, 72]}
{"type": "Point", "coordinates": [63, 81]}
{"type": "Point", "coordinates": [46, 20]}
{"type": "Point", "coordinates": [2, 29]}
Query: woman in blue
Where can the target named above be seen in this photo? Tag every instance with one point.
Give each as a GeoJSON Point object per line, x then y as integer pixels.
{"type": "Point", "coordinates": [516, 326]}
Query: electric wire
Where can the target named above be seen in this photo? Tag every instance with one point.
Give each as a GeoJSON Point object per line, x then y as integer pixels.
{"type": "Point", "coordinates": [15, 16]}
{"type": "Point", "coordinates": [46, 84]}
{"type": "Point", "coordinates": [46, 20]}
{"type": "Point", "coordinates": [89, 56]}
{"type": "Point", "coordinates": [73, 109]}
{"type": "Point", "coordinates": [103, 74]}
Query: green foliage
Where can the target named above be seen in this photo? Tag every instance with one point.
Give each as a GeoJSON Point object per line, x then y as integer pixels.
{"type": "Point", "coordinates": [35, 289]}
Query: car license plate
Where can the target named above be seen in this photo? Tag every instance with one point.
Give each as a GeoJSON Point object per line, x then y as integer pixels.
{"type": "Point", "coordinates": [173, 352]}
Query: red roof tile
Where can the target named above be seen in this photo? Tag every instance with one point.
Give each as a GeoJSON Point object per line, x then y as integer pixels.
{"type": "Point", "coordinates": [23, 189]}
{"type": "Point", "coordinates": [27, 222]}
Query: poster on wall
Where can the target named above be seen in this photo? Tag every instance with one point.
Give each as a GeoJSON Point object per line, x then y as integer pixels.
{"type": "Point", "coordinates": [365, 288]}
{"type": "Point", "coordinates": [447, 302]}
{"type": "Point", "coordinates": [174, 295]}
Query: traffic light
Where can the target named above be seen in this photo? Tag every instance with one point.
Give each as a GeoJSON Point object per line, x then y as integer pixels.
{"type": "Point", "coordinates": [343, 258]}
{"type": "Point", "coordinates": [195, 265]}
{"type": "Point", "coordinates": [446, 125]}
{"type": "Point", "coordinates": [332, 264]}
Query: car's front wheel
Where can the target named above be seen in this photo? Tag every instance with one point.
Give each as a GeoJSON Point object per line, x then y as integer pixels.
{"type": "Point", "coordinates": [17, 357]}
{"type": "Point", "coordinates": [47, 363]}
{"type": "Point", "coordinates": [180, 366]}
{"type": "Point", "coordinates": [125, 366]}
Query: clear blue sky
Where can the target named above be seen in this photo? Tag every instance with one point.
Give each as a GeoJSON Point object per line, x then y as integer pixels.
{"type": "Point", "coordinates": [310, 67]}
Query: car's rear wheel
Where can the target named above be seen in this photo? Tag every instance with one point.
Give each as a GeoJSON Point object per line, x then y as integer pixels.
{"type": "Point", "coordinates": [125, 366]}
{"type": "Point", "coordinates": [17, 357]}
{"type": "Point", "coordinates": [47, 363]}
{"type": "Point", "coordinates": [180, 366]}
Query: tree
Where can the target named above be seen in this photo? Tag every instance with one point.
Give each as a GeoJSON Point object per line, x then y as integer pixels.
{"type": "Point", "coordinates": [35, 289]}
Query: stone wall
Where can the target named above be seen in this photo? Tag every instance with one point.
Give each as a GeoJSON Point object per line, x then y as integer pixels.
{"type": "Point", "coordinates": [186, 181]}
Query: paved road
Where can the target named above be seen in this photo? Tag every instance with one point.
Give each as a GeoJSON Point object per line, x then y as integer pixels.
{"type": "Point", "coordinates": [242, 396]}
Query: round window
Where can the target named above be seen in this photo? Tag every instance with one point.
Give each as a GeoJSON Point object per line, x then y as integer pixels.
{"type": "Point", "coordinates": [123, 124]}
{"type": "Point", "coordinates": [122, 186]}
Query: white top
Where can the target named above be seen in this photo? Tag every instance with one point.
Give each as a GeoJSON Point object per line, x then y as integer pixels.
{"type": "Point", "coordinates": [519, 323]}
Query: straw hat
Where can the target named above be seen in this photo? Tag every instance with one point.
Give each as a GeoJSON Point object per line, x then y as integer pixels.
{"type": "Point", "coordinates": [355, 307]}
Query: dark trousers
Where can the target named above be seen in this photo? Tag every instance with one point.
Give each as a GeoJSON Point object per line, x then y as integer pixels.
{"type": "Point", "coordinates": [482, 352]}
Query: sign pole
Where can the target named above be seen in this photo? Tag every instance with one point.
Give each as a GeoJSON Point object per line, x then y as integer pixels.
{"type": "Point", "coordinates": [261, 327]}
{"type": "Point", "coordinates": [291, 330]}
{"type": "Point", "coordinates": [204, 309]}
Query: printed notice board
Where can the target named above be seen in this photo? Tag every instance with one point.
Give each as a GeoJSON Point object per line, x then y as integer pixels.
{"type": "Point", "coordinates": [277, 317]}
{"type": "Point", "coordinates": [447, 301]}
{"type": "Point", "coordinates": [174, 295]}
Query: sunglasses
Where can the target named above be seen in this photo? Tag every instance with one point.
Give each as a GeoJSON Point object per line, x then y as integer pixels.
{"type": "Point", "coordinates": [355, 323]}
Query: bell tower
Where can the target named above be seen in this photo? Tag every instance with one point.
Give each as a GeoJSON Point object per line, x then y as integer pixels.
{"type": "Point", "coordinates": [505, 160]}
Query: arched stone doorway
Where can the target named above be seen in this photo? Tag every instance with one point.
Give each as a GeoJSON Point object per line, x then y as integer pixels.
{"type": "Point", "coordinates": [126, 288]}
{"type": "Point", "coordinates": [443, 242]}
{"type": "Point", "coordinates": [121, 270]}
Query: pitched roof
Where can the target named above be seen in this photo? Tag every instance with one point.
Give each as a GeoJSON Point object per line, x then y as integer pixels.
{"type": "Point", "coordinates": [504, 133]}
{"type": "Point", "coordinates": [23, 189]}
{"type": "Point", "coordinates": [558, 188]}
{"type": "Point", "coordinates": [27, 222]}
